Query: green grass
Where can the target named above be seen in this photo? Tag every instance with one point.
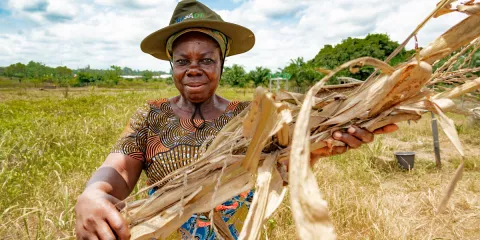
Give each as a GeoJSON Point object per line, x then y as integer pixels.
{"type": "Point", "coordinates": [51, 144]}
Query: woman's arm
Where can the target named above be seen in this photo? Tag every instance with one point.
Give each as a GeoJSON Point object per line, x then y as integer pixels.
{"type": "Point", "coordinates": [96, 213]}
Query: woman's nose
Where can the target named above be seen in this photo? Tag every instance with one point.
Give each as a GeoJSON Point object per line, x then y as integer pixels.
{"type": "Point", "coordinates": [193, 72]}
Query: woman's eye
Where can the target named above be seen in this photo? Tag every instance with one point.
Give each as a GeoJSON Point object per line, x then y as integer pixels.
{"type": "Point", "coordinates": [206, 61]}
{"type": "Point", "coordinates": [181, 62]}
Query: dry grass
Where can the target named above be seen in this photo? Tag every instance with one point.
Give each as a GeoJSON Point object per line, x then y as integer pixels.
{"type": "Point", "coordinates": [371, 198]}
{"type": "Point", "coordinates": [50, 145]}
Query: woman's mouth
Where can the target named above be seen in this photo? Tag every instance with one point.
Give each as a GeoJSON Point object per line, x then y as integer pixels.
{"type": "Point", "coordinates": [194, 86]}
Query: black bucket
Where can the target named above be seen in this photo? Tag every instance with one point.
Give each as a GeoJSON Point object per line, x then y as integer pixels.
{"type": "Point", "coordinates": [405, 159]}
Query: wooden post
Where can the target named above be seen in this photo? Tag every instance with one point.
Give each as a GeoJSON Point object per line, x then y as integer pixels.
{"type": "Point", "coordinates": [436, 142]}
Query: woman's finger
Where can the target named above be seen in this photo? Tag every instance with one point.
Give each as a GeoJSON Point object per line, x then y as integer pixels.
{"type": "Point", "coordinates": [362, 134]}
{"type": "Point", "coordinates": [87, 236]}
{"type": "Point", "coordinates": [386, 129]}
{"type": "Point", "coordinates": [104, 231]}
{"type": "Point", "coordinates": [325, 152]}
{"type": "Point", "coordinates": [118, 225]}
{"type": "Point", "coordinates": [83, 233]}
{"type": "Point", "coordinates": [350, 140]}
{"type": "Point", "coordinates": [339, 150]}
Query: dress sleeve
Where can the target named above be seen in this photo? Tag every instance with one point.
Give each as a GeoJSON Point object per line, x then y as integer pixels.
{"type": "Point", "coordinates": [133, 140]}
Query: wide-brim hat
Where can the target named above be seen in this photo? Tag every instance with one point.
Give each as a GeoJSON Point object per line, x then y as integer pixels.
{"type": "Point", "coordinates": [194, 14]}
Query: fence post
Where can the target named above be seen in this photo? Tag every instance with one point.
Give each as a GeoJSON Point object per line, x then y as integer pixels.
{"type": "Point", "coordinates": [436, 142]}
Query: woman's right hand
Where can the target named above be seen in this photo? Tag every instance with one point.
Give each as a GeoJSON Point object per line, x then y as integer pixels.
{"type": "Point", "coordinates": [98, 218]}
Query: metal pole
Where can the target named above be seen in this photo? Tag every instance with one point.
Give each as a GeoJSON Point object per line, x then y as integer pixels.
{"type": "Point", "coordinates": [436, 142]}
{"type": "Point", "coordinates": [270, 85]}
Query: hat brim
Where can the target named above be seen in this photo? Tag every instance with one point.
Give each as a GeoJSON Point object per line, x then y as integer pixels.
{"type": "Point", "coordinates": [243, 38]}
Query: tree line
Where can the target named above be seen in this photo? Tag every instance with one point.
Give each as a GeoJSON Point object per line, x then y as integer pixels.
{"type": "Point", "coordinates": [304, 73]}
{"type": "Point", "coordinates": [40, 73]}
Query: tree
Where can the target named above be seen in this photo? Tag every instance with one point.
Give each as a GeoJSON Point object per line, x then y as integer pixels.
{"type": "Point", "coordinates": [113, 74]}
{"type": "Point", "coordinates": [63, 74]}
{"type": "Point", "coordinates": [84, 78]}
{"type": "Point", "coordinates": [17, 70]}
{"type": "Point", "coordinates": [234, 76]}
{"type": "Point", "coordinates": [147, 75]}
{"type": "Point", "coordinates": [374, 45]}
{"type": "Point", "coordinates": [303, 74]}
{"type": "Point", "coordinates": [259, 76]}
{"type": "Point", "coordinates": [127, 71]}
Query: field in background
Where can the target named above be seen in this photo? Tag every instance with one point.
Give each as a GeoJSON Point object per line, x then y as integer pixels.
{"type": "Point", "coordinates": [52, 140]}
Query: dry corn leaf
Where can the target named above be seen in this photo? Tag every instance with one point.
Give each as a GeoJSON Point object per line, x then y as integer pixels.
{"type": "Point", "coordinates": [448, 127]}
{"type": "Point", "coordinates": [467, 87]}
{"type": "Point", "coordinates": [456, 37]}
{"type": "Point", "coordinates": [470, 9]}
{"type": "Point", "coordinates": [451, 187]}
{"type": "Point", "coordinates": [447, 8]}
{"type": "Point", "coordinates": [311, 212]}
{"type": "Point", "coordinates": [268, 109]}
{"type": "Point", "coordinates": [276, 194]}
{"type": "Point", "coordinates": [252, 226]}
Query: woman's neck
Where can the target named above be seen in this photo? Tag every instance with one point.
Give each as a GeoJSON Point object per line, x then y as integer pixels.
{"type": "Point", "coordinates": [210, 109]}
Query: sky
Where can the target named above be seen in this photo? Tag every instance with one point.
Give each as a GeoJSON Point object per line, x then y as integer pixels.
{"type": "Point", "coordinates": [101, 33]}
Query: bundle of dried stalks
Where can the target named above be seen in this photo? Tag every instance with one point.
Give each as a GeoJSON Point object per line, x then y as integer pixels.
{"type": "Point", "coordinates": [476, 113]}
{"type": "Point", "coordinates": [290, 126]}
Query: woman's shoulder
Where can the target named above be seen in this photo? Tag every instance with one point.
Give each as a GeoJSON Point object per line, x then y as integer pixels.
{"type": "Point", "coordinates": [157, 103]}
{"type": "Point", "coordinates": [236, 105]}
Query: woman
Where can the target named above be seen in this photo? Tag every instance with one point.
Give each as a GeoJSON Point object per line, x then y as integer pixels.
{"type": "Point", "coordinates": [166, 134]}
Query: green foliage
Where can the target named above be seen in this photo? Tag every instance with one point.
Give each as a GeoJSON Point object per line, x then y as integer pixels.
{"type": "Point", "coordinates": [303, 74]}
{"type": "Point", "coordinates": [86, 78]}
{"type": "Point", "coordinates": [147, 75]}
{"type": "Point", "coordinates": [17, 70]}
{"type": "Point", "coordinates": [38, 73]}
{"type": "Point", "coordinates": [113, 75]}
{"type": "Point", "coordinates": [234, 76]}
{"type": "Point", "coordinates": [259, 76]}
{"type": "Point", "coordinates": [476, 59]}
{"type": "Point", "coordinates": [374, 45]}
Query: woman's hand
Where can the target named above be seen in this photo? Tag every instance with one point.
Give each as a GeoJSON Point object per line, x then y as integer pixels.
{"type": "Point", "coordinates": [97, 216]}
{"type": "Point", "coordinates": [353, 138]}
{"type": "Point", "coordinates": [96, 213]}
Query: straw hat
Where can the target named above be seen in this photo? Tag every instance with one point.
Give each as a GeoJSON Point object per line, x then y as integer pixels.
{"type": "Point", "coordinates": [191, 14]}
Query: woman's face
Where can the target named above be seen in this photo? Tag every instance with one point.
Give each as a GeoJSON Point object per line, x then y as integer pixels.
{"type": "Point", "coordinates": [196, 66]}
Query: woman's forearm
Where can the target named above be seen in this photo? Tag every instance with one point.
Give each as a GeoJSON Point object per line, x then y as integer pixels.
{"type": "Point", "coordinates": [117, 176]}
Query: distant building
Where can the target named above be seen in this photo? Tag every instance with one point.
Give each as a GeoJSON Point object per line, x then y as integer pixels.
{"type": "Point", "coordinates": [163, 76]}
{"type": "Point", "coordinates": [131, 76]}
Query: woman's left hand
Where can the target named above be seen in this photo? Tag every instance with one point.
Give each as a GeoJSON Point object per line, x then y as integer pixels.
{"type": "Point", "coordinates": [353, 138]}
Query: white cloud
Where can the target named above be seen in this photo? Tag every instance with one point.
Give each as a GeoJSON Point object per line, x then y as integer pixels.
{"type": "Point", "coordinates": [328, 22]}
{"type": "Point", "coordinates": [108, 32]}
{"type": "Point", "coordinates": [134, 3]}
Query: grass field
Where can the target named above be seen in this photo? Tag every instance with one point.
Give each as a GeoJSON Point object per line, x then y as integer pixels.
{"type": "Point", "coordinates": [51, 141]}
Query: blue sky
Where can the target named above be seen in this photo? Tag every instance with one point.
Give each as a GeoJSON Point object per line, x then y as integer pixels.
{"type": "Point", "coordinates": [101, 33]}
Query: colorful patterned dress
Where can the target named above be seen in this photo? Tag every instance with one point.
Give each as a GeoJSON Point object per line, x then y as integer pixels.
{"type": "Point", "coordinates": [165, 142]}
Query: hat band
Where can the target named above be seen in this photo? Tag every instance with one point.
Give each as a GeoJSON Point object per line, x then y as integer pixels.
{"type": "Point", "coordinates": [219, 37]}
